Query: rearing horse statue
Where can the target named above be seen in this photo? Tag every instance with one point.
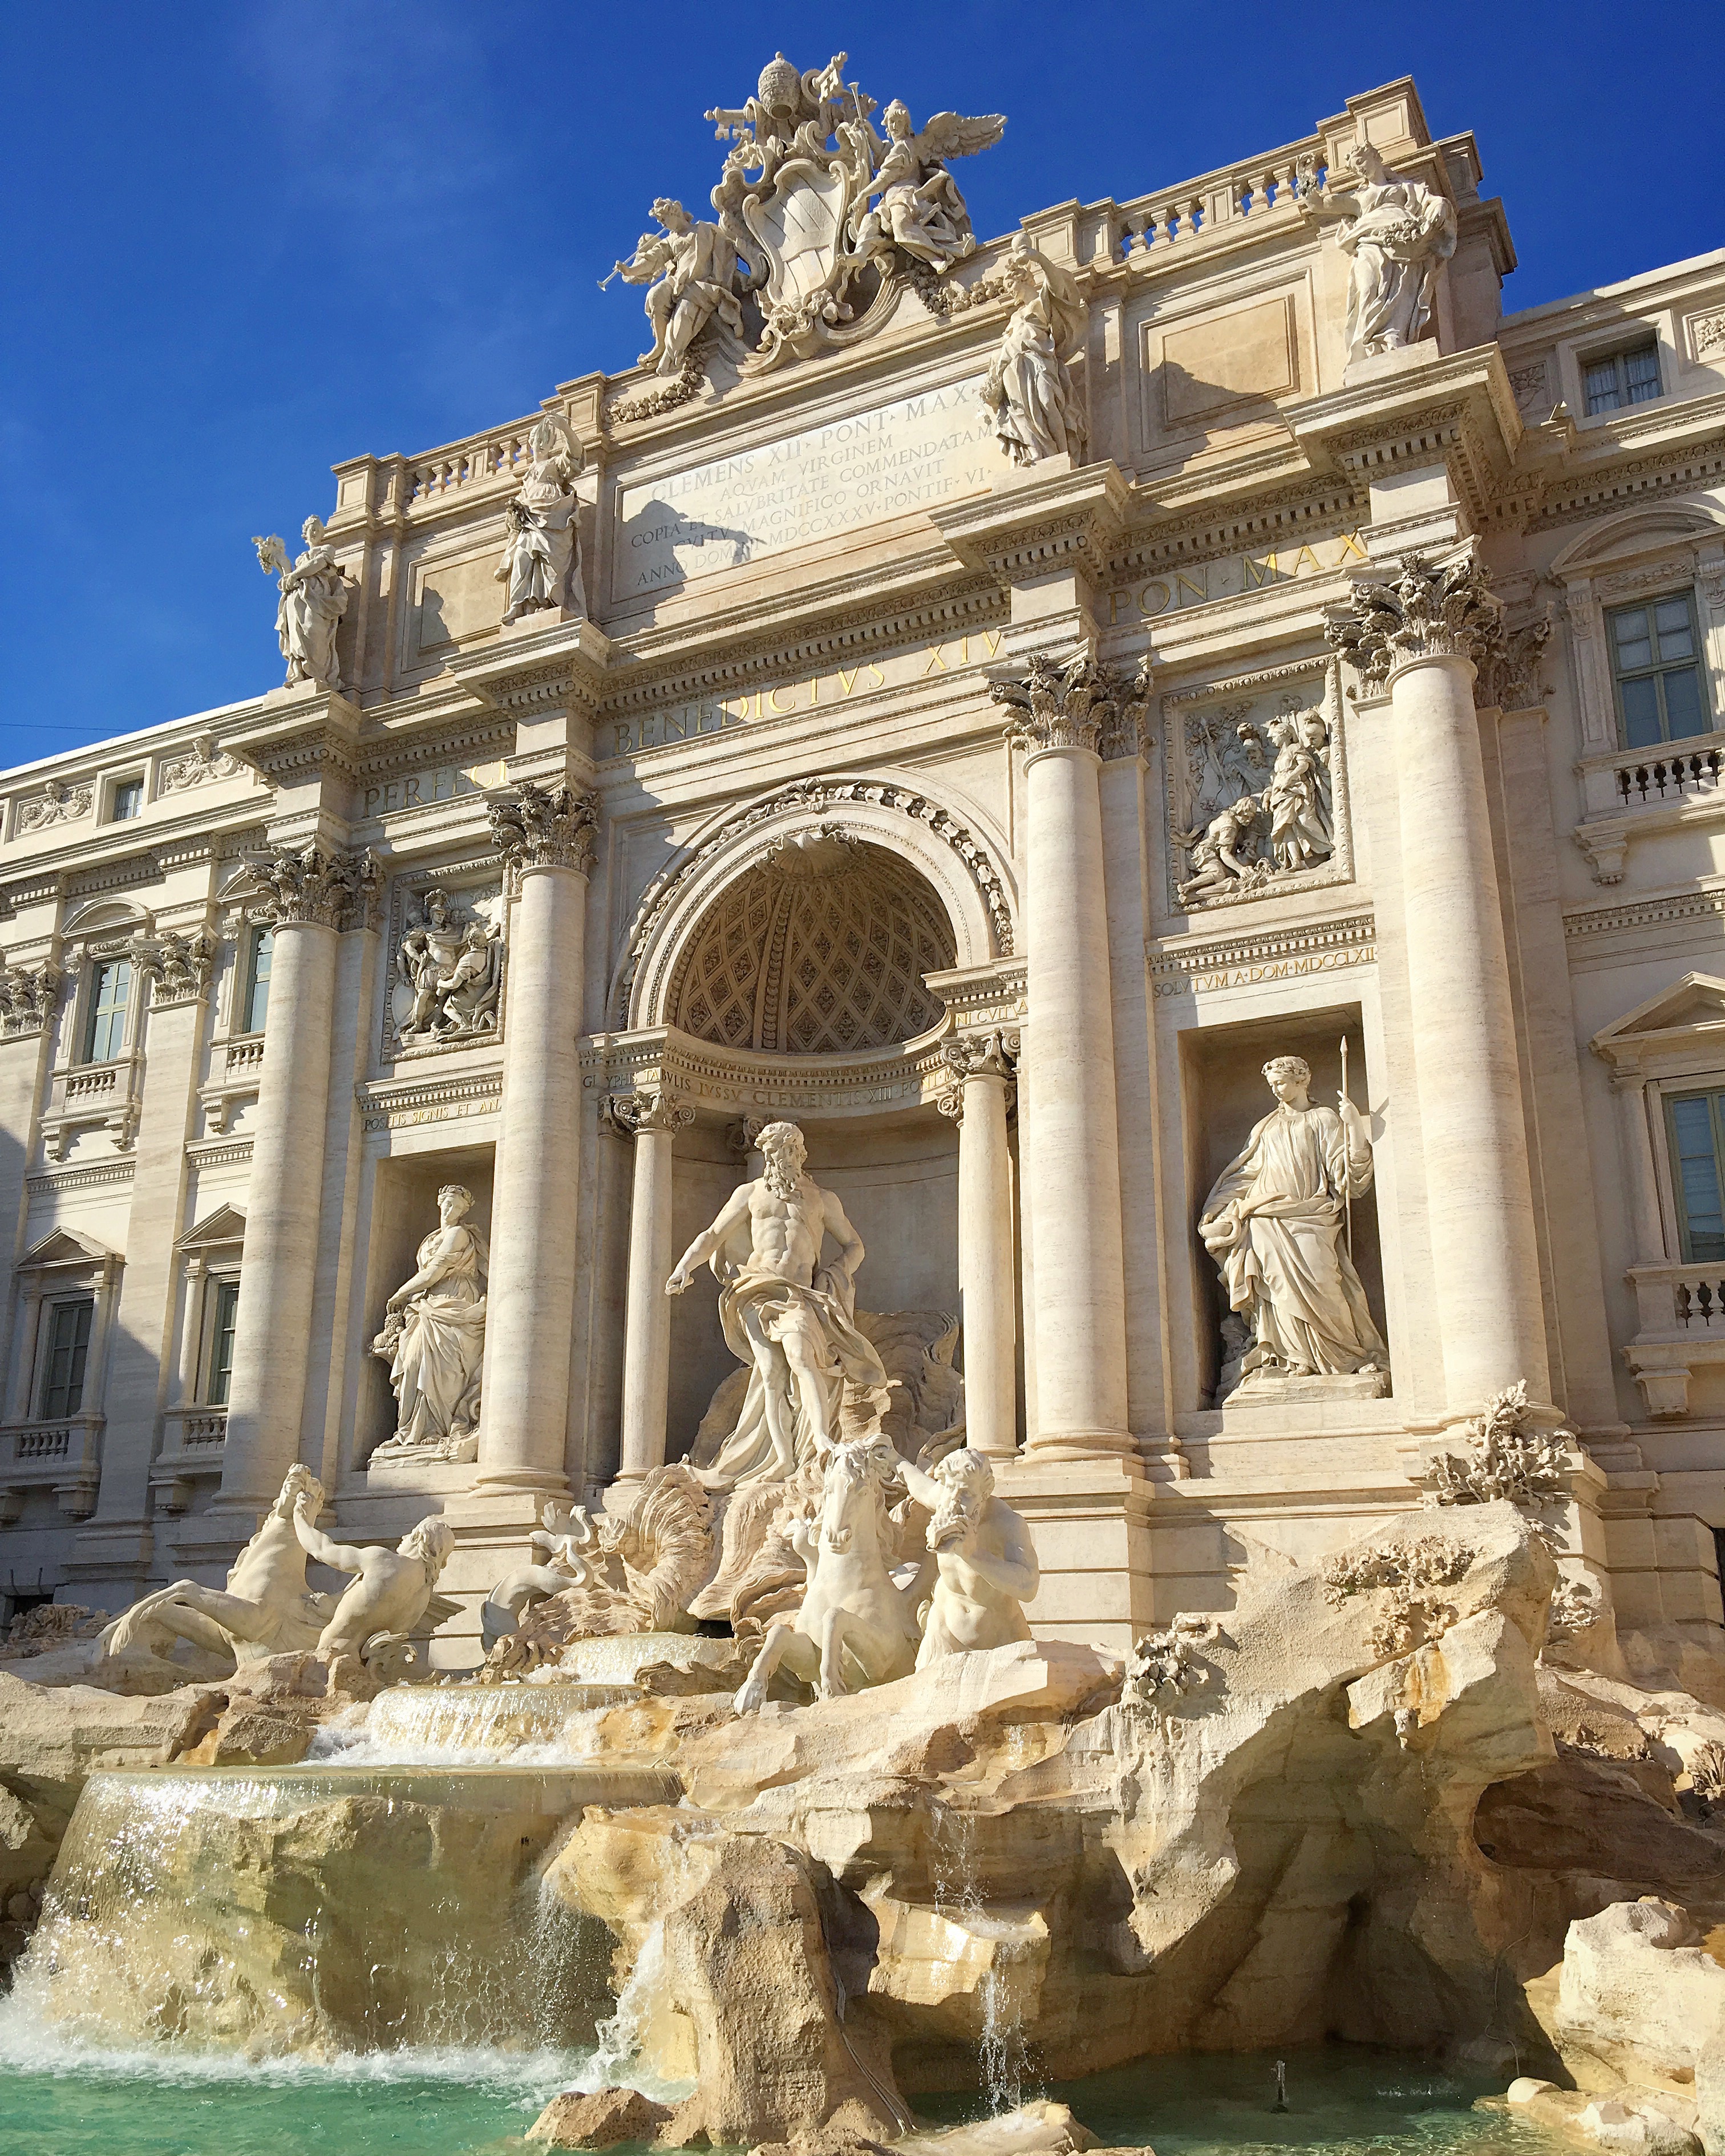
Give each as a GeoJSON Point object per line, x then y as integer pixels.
{"type": "Point", "coordinates": [856, 1626]}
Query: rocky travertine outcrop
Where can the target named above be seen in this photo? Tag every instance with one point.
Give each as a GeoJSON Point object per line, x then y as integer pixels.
{"type": "Point", "coordinates": [50, 1740]}
{"type": "Point", "coordinates": [1273, 1846]}
{"type": "Point", "coordinates": [1639, 1994]}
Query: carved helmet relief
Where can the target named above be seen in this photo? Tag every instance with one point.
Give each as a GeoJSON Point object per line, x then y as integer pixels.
{"type": "Point", "coordinates": [819, 948]}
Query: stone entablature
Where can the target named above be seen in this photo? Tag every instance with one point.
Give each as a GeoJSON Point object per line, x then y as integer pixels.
{"type": "Point", "coordinates": [986, 729]}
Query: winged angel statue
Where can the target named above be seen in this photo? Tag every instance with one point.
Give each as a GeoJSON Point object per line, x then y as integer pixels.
{"type": "Point", "coordinates": [811, 198]}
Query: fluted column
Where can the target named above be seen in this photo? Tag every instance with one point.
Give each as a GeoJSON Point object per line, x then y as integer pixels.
{"type": "Point", "coordinates": [546, 837]}
{"type": "Point", "coordinates": [652, 1121]}
{"type": "Point", "coordinates": [1418, 637]}
{"type": "Point", "coordinates": [1070, 1147]}
{"type": "Point", "coordinates": [309, 896]}
{"type": "Point", "coordinates": [979, 1098]}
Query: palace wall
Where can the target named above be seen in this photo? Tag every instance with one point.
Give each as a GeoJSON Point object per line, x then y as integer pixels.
{"type": "Point", "coordinates": [797, 876]}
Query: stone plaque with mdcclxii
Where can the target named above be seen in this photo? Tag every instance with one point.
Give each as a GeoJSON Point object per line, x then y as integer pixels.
{"type": "Point", "coordinates": [905, 456]}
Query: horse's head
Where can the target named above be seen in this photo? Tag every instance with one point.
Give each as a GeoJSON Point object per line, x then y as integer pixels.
{"type": "Point", "coordinates": [854, 1489]}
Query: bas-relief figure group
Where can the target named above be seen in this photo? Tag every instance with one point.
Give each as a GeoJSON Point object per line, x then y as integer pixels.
{"type": "Point", "coordinates": [448, 969]}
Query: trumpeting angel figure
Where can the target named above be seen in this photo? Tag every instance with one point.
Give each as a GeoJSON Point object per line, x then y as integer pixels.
{"type": "Point", "coordinates": [919, 208]}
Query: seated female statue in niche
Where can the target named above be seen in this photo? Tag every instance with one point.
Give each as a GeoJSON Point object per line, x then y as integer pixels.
{"type": "Point", "coordinates": [1274, 1224]}
{"type": "Point", "coordinates": [433, 1340]}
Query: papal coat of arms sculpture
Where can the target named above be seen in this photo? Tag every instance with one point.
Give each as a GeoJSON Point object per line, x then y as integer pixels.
{"type": "Point", "coordinates": [817, 215]}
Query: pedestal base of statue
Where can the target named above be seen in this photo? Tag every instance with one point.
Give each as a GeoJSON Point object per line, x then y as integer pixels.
{"type": "Point", "coordinates": [1266, 1389]}
{"type": "Point", "coordinates": [1376, 365]}
{"type": "Point", "coordinates": [1090, 1522]}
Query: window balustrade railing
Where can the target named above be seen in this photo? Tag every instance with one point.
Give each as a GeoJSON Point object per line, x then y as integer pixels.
{"type": "Point", "coordinates": [1671, 776]}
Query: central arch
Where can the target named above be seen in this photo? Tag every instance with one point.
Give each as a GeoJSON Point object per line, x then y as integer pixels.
{"type": "Point", "coordinates": [961, 866]}
{"type": "Point", "coordinates": [819, 948]}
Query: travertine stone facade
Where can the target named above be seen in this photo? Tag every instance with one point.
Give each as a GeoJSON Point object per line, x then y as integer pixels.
{"type": "Point", "coordinates": [981, 702]}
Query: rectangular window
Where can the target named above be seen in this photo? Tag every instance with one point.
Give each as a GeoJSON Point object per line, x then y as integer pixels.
{"type": "Point", "coordinates": [1656, 664]}
{"type": "Point", "coordinates": [1697, 1124]}
{"type": "Point", "coordinates": [104, 1028]}
{"type": "Point", "coordinates": [68, 1352]}
{"type": "Point", "coordinates": [128, 799]}
{"type": "Point", "coordinates": [221, 1348]}
{"type": "Point", "coordinates": [1622, 378]}
{"type": "Point", "coordinates": [254, 1007]}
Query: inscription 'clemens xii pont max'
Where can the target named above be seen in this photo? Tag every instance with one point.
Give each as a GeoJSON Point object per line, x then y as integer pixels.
{"type": "Point", "coordinates": [867, 465]}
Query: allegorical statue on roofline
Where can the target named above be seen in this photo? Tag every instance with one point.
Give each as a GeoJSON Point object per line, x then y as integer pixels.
{"type": "Point", "coordinates": [811, 197]}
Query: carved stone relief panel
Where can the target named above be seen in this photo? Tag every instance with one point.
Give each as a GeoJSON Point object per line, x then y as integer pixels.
{"type": "Point", "coordinates": [1257, 786]}
{"type": "Point", "coordinates": [445, 956]}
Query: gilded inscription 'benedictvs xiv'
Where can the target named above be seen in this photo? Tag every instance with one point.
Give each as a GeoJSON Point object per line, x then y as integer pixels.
{"type": "Point", "coordinates": [984, 701]}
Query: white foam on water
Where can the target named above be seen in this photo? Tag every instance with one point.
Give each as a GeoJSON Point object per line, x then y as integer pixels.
{"type": "Point", "coordinates": [30, 2045]}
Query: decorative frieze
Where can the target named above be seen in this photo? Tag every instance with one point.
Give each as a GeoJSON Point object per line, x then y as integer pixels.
{"type": "Point", "coordinates": [54, 804]}
{"type": "Point", "coordinates": [29, 997]}
{"type": "Point", "coordinates": [1433, 610]}
{"type": "Point", "coordinates": [1277, 954]}
{"type": "Point", "coordinates": [338, 890]}
{"type": "Point", "coordinates": [392, 1107]}
{"type": "Point", "coordinates": [204, 760]}
{"type": "Point", "coordinates": [542, 827]}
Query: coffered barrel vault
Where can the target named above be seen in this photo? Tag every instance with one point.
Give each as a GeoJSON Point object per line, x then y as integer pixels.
{"type": "Point", "coordinates": [1180, 745]}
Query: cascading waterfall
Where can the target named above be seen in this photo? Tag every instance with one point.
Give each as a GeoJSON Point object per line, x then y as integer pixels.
{"type": "Point", "coordinates": [324, 1910]}
{"type": "Point", "coordinates": [1003, 2056]}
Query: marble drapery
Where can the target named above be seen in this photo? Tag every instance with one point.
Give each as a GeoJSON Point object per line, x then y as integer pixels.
{"type": "Point", "coordinates": [1274, 1224]}
{"type": "Point", "coordinates": [434, 1341]}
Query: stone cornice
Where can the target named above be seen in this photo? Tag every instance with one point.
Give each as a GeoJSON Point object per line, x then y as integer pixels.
{"type": "Point", "coordinates": [294, 736]}
{"type": "Point", "coordinates": [1034, 523]}
{"type": "Point", "coordinates": [528, 671]}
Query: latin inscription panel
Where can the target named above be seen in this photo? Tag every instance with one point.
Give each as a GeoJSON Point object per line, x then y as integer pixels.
{"type": "Point", "coordinates": [906, 455]}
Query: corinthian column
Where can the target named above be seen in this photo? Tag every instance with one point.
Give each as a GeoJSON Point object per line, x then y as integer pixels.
{"type": "Point", "coordinates": [1070, 1147]}
{"type": "Point", "coordinates": [1419, 637]}
{"type": "Point", "coordinates": [309, 897]}
{"type": "Point", "coordinates": [547, 838]}
{"type": "Point", "coordinates": [979, 1097]}
{"type": "Point", "coordinates": [652, 1121]}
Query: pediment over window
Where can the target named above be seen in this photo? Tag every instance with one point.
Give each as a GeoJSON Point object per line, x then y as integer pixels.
{"type": "Point", "coordinates": [69, 1254]}
{"type": "Point", "coordinates": [221, 1230]}
{"type": "Point", "coordinates": [1637, 531]}
{"type": "Point", "coordinates": [1690, 1013]}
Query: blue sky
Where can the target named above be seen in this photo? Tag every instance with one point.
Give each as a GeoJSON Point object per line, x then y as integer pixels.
{"type": "Point", "coordinates": [245, 240]}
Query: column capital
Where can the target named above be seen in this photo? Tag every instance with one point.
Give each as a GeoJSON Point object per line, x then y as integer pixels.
{"type": "Point", "coordinates": [647, 1111]}
{"type": "Point", "coordinates": [1434, 609]}
{"type": "Point", "coordinates": [1076, 703]}
{"type": "Point", "coordinates": [544, 826]}
{"type": "Point", "coordinates": [29, 997]}
{"type": "Point", "coordinates": [307, 883]}
{"type": "Point", "coordinates": [989, 1055]}
{"type": "Point", "coordinates": [177, 967]}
